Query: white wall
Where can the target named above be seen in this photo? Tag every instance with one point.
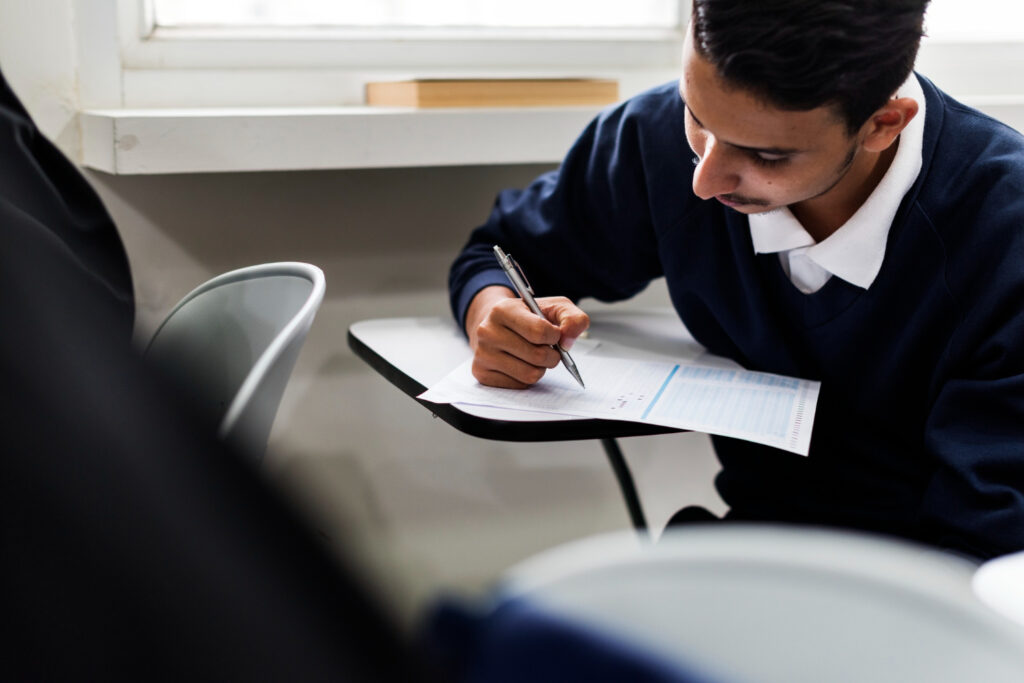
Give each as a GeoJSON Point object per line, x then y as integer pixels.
{"type": "Point", "coordinates": [39, 60]}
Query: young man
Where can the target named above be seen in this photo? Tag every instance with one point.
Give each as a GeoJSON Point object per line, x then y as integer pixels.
{"type": "Point", "coordinates": [818, 210]}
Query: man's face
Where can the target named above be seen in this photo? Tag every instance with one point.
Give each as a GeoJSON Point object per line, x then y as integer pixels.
{"type": "Point", "coordinates": [752, 156]}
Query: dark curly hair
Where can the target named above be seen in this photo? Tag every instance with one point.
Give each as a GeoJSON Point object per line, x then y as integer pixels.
{"type": "Point", "coordinates": [804, 54]}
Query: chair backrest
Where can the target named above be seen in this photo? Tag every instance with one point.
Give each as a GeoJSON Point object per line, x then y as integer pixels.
{"type": "Point", "coordinates": [232, 344]}
{"type": "Point", "coordinates": [761, 603]}
{"type": "Point", "coordinates": [999, 583]}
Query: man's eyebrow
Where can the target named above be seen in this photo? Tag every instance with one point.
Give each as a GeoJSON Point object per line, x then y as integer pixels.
{"type": "Point", "coordinates": [753, 150]}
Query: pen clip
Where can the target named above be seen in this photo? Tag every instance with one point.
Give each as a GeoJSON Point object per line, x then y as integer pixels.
{"type": "Point", "coordinates": [515, 263]}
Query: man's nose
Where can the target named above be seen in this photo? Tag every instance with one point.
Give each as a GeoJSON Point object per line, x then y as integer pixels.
{"type": "Point", "coordinates": [715, 173]}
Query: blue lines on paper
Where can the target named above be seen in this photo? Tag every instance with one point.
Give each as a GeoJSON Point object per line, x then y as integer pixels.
{"type": "Point", "coordinates": [661, 390]}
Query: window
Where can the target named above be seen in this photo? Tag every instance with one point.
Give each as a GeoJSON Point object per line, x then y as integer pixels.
{"type": "Point", "coordinates": [975, 51]}
{"type": "Point", "coordinates": [308, 56]}
{"type": "Point", "coordinates": [418, 14]}
{"type": "Point", "coordinates": [409, 34]}
{"type": "Point", "coordinates": [320, 52]}
{"type": "Point", "coordinates": [983, 21]}
{"type": "Point", "coordinates": [979, 20]}
{"type": "Point", "coordinates": [173, 86]}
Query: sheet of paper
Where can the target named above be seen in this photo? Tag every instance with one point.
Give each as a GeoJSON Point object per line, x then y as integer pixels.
{"type": "Point", "coordinates": [713, 397]}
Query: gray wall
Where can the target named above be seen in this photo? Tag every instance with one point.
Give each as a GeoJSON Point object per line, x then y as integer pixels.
{"type": "Point", "coordinates": [421, 506]}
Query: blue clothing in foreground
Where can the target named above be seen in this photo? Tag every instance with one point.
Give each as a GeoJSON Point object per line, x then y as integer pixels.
{"type": "Point", "coordinates": [522, 640]}
{"type": "Point", "coordinates": [920, 424]}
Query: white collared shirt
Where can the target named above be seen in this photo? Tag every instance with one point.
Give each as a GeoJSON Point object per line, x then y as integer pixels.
{"type": "Point", "coordinates": [856, 250]}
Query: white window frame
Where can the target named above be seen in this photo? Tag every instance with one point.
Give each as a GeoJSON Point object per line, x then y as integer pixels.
{"type": "Point", "coordinates": [272, 85]}
{"type": "Point", "coordinates": [150, 45]}
{"type": "Point", "coordinates": [329, 66]}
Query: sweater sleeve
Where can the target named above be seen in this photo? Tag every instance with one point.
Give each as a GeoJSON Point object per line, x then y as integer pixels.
{"type": "Point", "coordinates": [974, 431]}
{"type": "Point", "coordinates": [585, 229]}
{"type": "Point", "coordinates": [974, 500]}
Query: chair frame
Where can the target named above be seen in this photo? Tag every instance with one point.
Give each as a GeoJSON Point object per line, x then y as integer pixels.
{"type": "Point", "coordinates": [299, 323]}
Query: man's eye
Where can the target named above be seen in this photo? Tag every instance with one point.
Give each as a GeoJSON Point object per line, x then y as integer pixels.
{"type": "Point", "coordinates": [764, 159]}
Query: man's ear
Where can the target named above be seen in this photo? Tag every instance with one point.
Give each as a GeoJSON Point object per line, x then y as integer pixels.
{"type": "Point", "coordinates": [885, 125]}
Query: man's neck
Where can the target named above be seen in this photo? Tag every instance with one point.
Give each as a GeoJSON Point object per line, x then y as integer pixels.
{"type": "Point", "coordinates": [823, 215]}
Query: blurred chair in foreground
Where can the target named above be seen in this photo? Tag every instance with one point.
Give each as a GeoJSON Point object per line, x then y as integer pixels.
{"type": "Point", "coordinates": [232, 343]}
{"type": "Point", "coordinates": [999, 583]}
{"type": "Point", "coordinates": [741, 603]}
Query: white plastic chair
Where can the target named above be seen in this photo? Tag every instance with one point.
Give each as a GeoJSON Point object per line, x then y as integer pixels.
{"type": "Point", "coordinates": [999, 583]}
{"type": "Point", "coordinates": [232, 344]}
{"type": "Point", "coordinates": [765, 604]}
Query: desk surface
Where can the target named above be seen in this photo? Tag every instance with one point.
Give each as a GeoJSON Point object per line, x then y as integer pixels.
{"type": "Point", "coordinates": [414, 353]}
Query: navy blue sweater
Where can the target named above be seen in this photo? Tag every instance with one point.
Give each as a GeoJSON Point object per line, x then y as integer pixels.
{"type": "Point", "coordinates": [920, 424]}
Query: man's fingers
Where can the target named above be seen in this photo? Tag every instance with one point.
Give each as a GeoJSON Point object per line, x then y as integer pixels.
{"type": "Point", "coordinates": [513, 347]}
{"type": "Point", "coordinates": [517, 317]}
{"type": "Point", "coordinates": [495, 342]}
{"type": "Point", "coordinates": [506, 371]}
{"type": "Point", "coordinates": [567, 316]}
{"type": "Point", "coordinates": [508, 353]}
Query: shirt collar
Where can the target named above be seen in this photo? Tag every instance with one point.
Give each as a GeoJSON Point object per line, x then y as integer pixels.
{"type": "Point", "coordinates": [856, 250]}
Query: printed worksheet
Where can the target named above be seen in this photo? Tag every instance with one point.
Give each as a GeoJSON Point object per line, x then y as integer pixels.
{"type": "Point", "coordinates": [716, 398]}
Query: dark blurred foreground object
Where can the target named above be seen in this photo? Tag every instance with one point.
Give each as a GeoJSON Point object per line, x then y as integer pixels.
{"type": "Point", "coordinates": [133, 544]}
{"type": "Point", "coordinates": [739, 602]}
{"type": "Point", "coordinates": [50, 214]}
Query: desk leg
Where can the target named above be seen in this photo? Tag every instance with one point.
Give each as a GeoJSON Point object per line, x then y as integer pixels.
{"type": "Point", "coordinates": [625, 479]}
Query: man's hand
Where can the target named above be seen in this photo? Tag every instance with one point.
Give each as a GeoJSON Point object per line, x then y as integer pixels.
{"type": "Point", "coordinates": [512, 347]}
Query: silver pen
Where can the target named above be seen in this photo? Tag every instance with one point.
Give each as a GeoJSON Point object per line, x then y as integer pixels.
{"type": "Point", "coordinates": [518, 279]}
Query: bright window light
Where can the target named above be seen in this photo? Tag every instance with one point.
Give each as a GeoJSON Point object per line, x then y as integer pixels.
{"type": "Point", "coordinates": [984, 20]}
{"type": "Point", "coordinates": [418, 13]}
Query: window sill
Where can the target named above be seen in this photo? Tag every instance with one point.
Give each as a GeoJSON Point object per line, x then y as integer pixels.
{"type": "Point", "coordinates": [153, 141]}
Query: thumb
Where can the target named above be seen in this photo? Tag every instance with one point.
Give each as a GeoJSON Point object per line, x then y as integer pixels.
{"type": "Point", "coordinates": [570, 319]}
